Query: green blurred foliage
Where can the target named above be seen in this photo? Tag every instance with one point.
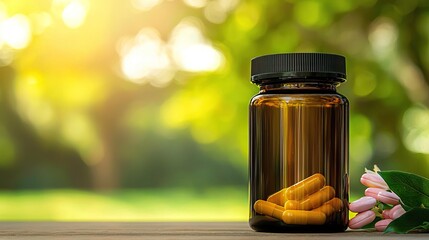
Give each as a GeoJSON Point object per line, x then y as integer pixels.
{"type": "Point", "coordinates": [137, 93]}
{"type": "Point", "coordinates": [124, 205]}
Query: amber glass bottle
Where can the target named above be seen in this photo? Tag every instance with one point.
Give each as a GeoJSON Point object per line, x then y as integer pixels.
{"type": "Point", "coordinates": [298, 156]}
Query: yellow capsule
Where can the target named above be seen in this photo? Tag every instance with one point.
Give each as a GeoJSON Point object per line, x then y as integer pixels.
{"type": "Point", "coordinates": [269, 209]}
{"type": "Point", "coordinates": [316, 199]}
{"type": "Point", "coordinates": [292, 205]}
{"type": "Point", "coordinates": [336, 203]}
{"type": "Point", "coordinates": [305, 187]}
{"type": "Point", "coordinates": [329, 207]}
{"type": "Point", "coordinates": [278, 198]}
{"type": "Point", "coordinates": [303, 217]}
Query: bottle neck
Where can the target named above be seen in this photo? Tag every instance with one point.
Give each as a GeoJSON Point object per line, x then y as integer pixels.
{"type": "Point", "coordinates": [299, 87]}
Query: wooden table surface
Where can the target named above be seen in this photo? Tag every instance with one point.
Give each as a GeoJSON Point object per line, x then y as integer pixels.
{"type": "Point", "coordinates": [173, 230]}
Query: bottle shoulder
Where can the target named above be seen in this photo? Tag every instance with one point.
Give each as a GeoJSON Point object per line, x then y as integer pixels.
{"type": "Point", "coordinates": [300, 98]}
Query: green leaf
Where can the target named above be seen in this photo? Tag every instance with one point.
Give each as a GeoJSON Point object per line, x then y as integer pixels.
{"type": "Point", "coordinates": [406, 208]}
{"type": "Point", "coordinates": [425, 225]}
{"type": "Point", "coordinates": [416, 219]}
{"type": "Point", "coordinates": [412, 189]}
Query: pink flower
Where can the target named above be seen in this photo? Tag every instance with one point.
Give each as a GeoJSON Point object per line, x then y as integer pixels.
{"type": "Point", "coordinates": [382, 195]}
{"type": "Point", "coordinates": [386, 214]}
{"type": "Point", "coordinates": [382, 224]}
{"type": "Point", "coordinates": [377, 197]}
{"type": "Point", "coordinates": [396, 212]}
{"type": "Point", "coordinates": [362, 219]}
{"type": "Point", "coordinates": [388, 197]}
{"type": "Point", "coordinates": [362, 204]}
{"type": "Point", "coordinates": [371, 179]}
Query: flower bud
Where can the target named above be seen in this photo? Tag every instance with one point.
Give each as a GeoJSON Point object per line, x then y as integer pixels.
{"type": "Point", "coordinates": [382, 195]}
{"type": "Point", "coordinates": [388, 197]}
{"type": "Point", "coordinates": [362, 204]}
{"type": "Point", "coordinates": [396, 212]}
{"type": "Point", "coordinates": [373, 180]}
{"type": "Point", "coordinates": [362, 219]}
{"type": "Point", "coordinates": [382, 224]}
{"type": "Point", "coordinates": [386, 214]}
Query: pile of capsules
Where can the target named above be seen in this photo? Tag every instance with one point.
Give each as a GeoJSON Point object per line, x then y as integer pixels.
{"type": "Point", "coordinates": [306, 202]}
{"type": "Point", "coordinates": [368, 207]}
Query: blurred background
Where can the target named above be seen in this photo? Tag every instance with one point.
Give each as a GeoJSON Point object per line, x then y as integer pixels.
{"type": "Point", "coordinates": [136, 110]}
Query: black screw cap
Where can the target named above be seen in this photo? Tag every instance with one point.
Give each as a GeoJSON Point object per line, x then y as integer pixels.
{"type": "Point", "coordinates": [289, 66]}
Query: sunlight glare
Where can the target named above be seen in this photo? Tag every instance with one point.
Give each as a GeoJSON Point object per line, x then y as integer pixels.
{"type": "Point", "coordinates": [16, 31]}
{"type": "Point", "coordinates": [145, 57]}
{"type": "Point", "coordinates": [191, 51]}
{"type": "Point", "coordinates": [3, 11]}
{"type": "Point", "coordinates": [198, 57]}
{"type": "Point", "coordinates": [74, 13]}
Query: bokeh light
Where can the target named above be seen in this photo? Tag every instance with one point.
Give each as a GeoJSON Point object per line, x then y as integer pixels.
{"type": "Point", "coordinates": [416, 129]}
{"type": "Point", "coordinates": [73, 12]}
{"type": "Point", "coordinates": [383, 36]}
{"type": "Point", "coordinates": [218, 10]}
{"type": "Point", "coordinates": [15, 31]}
{"type": "Point", "coordinates": [191, 51]}
{"type": "Point", "coordinates": [247, 16]}
{"type": "Point", "coordinates": [145, 58]}
{"type": "Point", "coordinates": [364, 83]}
{"type": "Point", "coordinates": [309, 13]}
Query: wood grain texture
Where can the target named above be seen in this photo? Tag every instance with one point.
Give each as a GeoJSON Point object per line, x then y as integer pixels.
{"type": "Point", "coordinates": [165, 230]}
